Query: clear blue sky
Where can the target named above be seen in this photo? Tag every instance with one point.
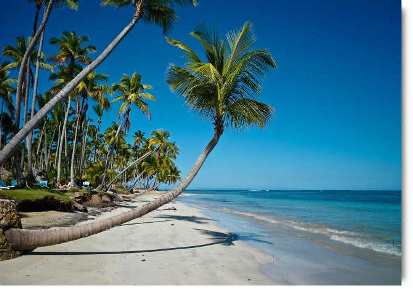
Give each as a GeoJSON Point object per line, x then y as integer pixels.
{"type": "Point", "coordinates": [336, 91]}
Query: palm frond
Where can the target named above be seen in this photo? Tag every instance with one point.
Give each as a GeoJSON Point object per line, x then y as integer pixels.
{"type": "Point", "coordinates": [247, 113]}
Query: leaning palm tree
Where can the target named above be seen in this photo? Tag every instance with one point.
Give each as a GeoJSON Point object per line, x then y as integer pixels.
{"type": "Point", "coordinates": [156, 12]}
{"type": "Point", "coordinates": [222, 88]}
{"type": "Point", "coordinates": [18, 53]}
{"type": "Point", "coordinates": [38, 33]}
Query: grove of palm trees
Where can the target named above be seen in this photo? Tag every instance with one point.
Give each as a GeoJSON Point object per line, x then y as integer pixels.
{"type": "Point", "coordinates": [56, 135]}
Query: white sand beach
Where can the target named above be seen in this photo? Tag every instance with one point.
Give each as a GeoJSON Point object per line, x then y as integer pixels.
{"type": "Point", "coordinates": [164, 247]}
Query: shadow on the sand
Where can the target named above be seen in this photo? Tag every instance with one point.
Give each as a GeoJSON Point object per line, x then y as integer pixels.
{"type": "Point", "coordinates": [214, 235]}
{"type": "Point", "coordinates": [130, 224]}
{"type": "Point", "coordinates": [194, 219]}
{"type": "Point", "coordinates": [126, 206]}
{"type": "Point", "coordinates": [226, 239]}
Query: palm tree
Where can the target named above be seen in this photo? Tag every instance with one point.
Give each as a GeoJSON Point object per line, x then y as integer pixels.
{"type": "Point", "coordinates": [25, 61]}
{"type": "Point", "coordinates": [88, 87]}
{"type": "Point", "coordinates": [138, 139]}
{"type": "Point", "coordinates": [17, 54]}
{"type": "Point", "coordinates": [27, 55]}
{"type": "Point", "coordinates": [160, 138]}
{"type": "Point", "coordinates": [150, 11]}
{"type": "Point", "coordinates": [99, 113]}
{"type": "Point", "coordinates": [73, 52]}
{"type": "Point", "coordinates": [221, 88]}
{"type": "Point", "coordinates": [73, 4]}
{"type": "Point", "coordinates": [132, 92]}
{"type": "Point", "coordinates": [6, 90]}
{"type": "Point", "coordinates": [72, 49]}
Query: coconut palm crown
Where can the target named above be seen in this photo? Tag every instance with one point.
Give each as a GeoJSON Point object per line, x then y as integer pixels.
{"type": "Point", "coordinates": [132, 91]}
{"type": "Point", "coordinates": [158, 12]}
{"type": "Point", "coordinates": [223, 88]}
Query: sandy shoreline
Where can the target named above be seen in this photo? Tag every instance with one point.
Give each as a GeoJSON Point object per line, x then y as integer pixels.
{"type": "Point", "coordinates": [164, 247]}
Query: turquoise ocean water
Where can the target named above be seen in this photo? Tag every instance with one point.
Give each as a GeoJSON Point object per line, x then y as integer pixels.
{"type": "Point", "coordinates": [315, 237]}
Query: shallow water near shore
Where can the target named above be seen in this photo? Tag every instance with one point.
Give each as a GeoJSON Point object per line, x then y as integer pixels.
{"type": "Point", "coordinates": [315, 237]}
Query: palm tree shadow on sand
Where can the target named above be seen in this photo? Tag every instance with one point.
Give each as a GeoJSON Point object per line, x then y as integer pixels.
{"type": "Point", "coordinates": [194, 219]}
{"type": "Point", "coordinates": [226, 239]}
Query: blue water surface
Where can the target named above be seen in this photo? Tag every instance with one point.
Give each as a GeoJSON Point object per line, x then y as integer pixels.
{"type": "Point", "coordinates": [363, 225]}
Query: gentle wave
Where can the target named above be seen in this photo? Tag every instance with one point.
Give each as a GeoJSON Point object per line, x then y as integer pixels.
{"type": "Point", "coordinates": [365, 244]}
{"type": "Point", "coordinates": [342, 236]}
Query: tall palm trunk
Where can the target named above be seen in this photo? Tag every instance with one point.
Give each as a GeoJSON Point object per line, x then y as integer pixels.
{"type": "Point", "coordinates": [82, 156]}
{"type": "Point", "coordinates": [36, 16]}
{"type": "Point", "coordinates": [57, 145]}
{"type": "Point", "coordinates": [60, 149]}
{"type": "Point", "coordinates": [96, 139]}
{"type": "Point", "coordinates": [26, 103]}
{"type": "Point", "coordinates": [66, 158]}
{"type": "Point", "coordinates": [39, 142]}
{"type": "Point", "coordinates": [72, 162]}
{"type": "Point", "coordinates": [112, 147]}
{"type": "Point", "coordinates": [23, 239]}
{"type": "Point", "coordinates": [29, 139]}
{"type": "Point", "coordinates": [25, 60]}
{"type": "Point", "coordinates": [35, 85]}
{"type": "Point", "coordinates": [45, 150]}
{"type": "Point", "coordinates": [48, 150]}
{"type": "Point", "coordinates": [19, 137]}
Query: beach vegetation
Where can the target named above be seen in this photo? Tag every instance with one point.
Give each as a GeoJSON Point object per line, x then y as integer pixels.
{"type": "Point", "coordinates": [34, 194]}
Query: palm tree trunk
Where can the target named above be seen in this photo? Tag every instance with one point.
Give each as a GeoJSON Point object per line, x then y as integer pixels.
{"type": "Point", "coordinates": [21, 239]}
{"type": "Point", "coordinates": [40, 141]}
{"type": "Point", "coordinates": [36, 82]}
{"type": "Point", "coordinates": [131, 165]}
{"type": "Point", "coordinates": [96, 139]}
{"type": "Point", "coordinates": [24, 62]}
{"type": "Point", "coordinates": [83, 151]}
{"type": "Point", "coordinates": [60, 149]}
{"type": "Point", "coordinates": [19, 137]}
{"type": "Point", "coordinates": [29, 139]}
{"type": "Point", "coordinates": [36, 16]}
{"type": "Point", "coordinates": [112, 147]}
{"type": "Point", "coordinates": [58, 144]}
{"type": "Point", "coordinates": [66, 158]}
{"type": "Point", "coordinates": [45, 150]}
{"type": "Point", "coordinates": [26, 104]}
{"type": "Point", "coordinates": [72, 162]}
{"type": "Point", "coordinates": [50, 148]}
